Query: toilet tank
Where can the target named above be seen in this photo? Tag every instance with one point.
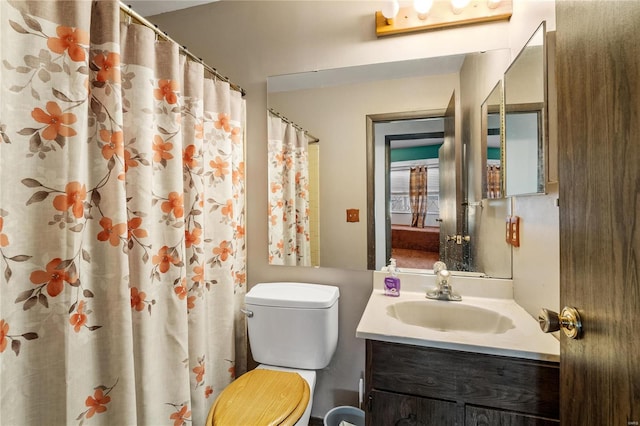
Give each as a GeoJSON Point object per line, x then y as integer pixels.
{"type": "Point", "coordinates": [293, 325]}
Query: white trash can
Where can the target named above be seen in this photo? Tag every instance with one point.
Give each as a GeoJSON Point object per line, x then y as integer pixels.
{"type": "Point", "coordinates": [344, 416]}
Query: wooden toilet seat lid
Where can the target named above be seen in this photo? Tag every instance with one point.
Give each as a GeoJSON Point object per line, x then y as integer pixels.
{"type": "Point", "coordinates": [261, 397]}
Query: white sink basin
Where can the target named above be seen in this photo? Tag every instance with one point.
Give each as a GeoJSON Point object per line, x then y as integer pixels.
{"type": "Point", "coordinates": [450, 316]}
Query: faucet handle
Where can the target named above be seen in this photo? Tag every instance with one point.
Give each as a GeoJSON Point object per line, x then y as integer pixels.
{"type": "Point", "coordinates": [443, 277]}
{"type": "Point", "coordinates": [439, 266]}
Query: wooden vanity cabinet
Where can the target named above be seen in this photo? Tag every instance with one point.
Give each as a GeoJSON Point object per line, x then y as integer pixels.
{"type": "Point", "coordinates": [415, 385]}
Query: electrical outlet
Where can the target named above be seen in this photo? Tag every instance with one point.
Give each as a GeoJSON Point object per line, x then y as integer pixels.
{"type": "Point", "coordinates": [512, 231]}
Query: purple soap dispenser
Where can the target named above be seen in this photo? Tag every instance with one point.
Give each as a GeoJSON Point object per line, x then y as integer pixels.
{"type": "Point", "coordinates": [392, 282]}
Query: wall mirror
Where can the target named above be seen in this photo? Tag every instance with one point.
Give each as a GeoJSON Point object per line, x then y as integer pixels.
{"type": "Point", "coordinates": [333, 106]}
{"type": "Point", "coordinates": [492, 143]}
{"type": "Point", "coordinates": [525, 98]}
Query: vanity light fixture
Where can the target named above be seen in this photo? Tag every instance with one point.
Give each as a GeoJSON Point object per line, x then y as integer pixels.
{"type": "Point", "coordinates": [435, 14]}
{"type": "Point", "coordinates": [390, 9]}
{"type": "Point", "coordinates": [422, 8]}
{"type": "Point", "coordinates": [459, 5]}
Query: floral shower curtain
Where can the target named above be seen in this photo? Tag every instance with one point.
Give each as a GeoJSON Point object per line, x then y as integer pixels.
{"type": "Point", "coordinates": [122, 263]}
{"type": "Point", "coordinates": [418, 195]}
{"type": "Point", "coordinates": [288, 194]}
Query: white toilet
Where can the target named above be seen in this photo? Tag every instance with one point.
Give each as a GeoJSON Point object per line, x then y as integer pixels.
{"type": "Point", "coordinates": [293, 328]}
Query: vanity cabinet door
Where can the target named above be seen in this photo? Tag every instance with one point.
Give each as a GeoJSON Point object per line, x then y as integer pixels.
{"type": "Point", "coordinates": [395, 409]}
{"type": "Point", "coordinates": [476, 416]}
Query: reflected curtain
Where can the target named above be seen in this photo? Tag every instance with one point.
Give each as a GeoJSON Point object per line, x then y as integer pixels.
{"type": "Point", "coordinates": [121, 222]}
{"type": "Point", "coordinates": [418, 196]}
{"type": "Point", "coordinates": [288, 194]}
{"type": "Point", "coordinates": [493, 181]}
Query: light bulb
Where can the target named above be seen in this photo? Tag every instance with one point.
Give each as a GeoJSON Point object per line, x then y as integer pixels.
{"type": "Point", "coordinates": [390, 9]}
{"type": "Point", "coordinates": [459, 5]}
{"type": "Point", "coordinates": [422, 7]}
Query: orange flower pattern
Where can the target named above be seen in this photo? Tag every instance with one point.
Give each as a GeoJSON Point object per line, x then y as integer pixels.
{"type": "Point", "coordinates": [199, 372]}
{"type": "Point", "coordinates": [56, 121]}
{"type": "Point", "coordinates": [181, 416]}
{"type": "Point", "coordinates": [174, 204]}
{"type": "Point", "coordinates": [79, 318]}
{"type": "Point", "coordinates": [4, 240]}
{"type": "Point", "coordinates": [161, 149]}
{"type": "Point", "coordinates": [53, 276]}
{"type": "Point", "coordinates": [193, 237]}
{"type": "Point", "coordinates": [220, 167]}
{"type": "Point", "coordinates": [70, 40]}
{"type": "Point", "coordinates": [167, 90]}
{"type": "Point", "coordinates": [113, 144]}
{"type": "Point", "coordinates": [137, 299]}
{"type": "Point", "coordinates": [111, 232]}
{"type": "Point", "coordinates": [223, 251]}
{"type": "Point", "coordinates": [108, 65]}
{"type": "Point", "coordinates": [165, 258]}
{"type": "Point", "coordinates": [129, 161]}
{"type": "Point", "coordinates": [208, 392]}
{"type": "Point", "coordinates": [227, 209]}
{"type": "Point", "coordinates": [97, 403]}
{"type": "Point", "coordinates": [223, 122]}
{"type": "Point", "coordinates": [188, 157]}
{"type": "Point", "coordinates": [74, 197]}
{"type": "Point", "coordinates": [231, 369]}
{"type": "Point", "coordinates": [85, 144]}
{"type": "Point", "coordinates": [198, 274]}
{"type": "Point", "coordinates": [4, 330]}
{"type": "Point", "coordinates": [181, 290]}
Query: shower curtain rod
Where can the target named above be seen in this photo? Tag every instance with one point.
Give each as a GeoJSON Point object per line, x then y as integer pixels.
{"type": "Point", "coordinates": [142, 20]}
{"type": "Point", "coordinates": [286, 120]}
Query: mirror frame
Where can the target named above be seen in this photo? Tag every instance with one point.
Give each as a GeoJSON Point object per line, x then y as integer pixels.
{"type": "Point", "coordinates": [542, 108]}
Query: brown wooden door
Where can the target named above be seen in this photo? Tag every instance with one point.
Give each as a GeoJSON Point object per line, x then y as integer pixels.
{"type": "Point", "coordinates": [598, 80]}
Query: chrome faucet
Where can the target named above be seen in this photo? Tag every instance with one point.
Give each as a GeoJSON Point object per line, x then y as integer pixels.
{"type": "Point", "coordinates": [443, 290]}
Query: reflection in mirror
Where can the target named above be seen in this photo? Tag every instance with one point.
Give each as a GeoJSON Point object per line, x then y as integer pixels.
{"type": "Point", "coordinates": [292, 193]}
{"type": "Point", "coordinates": [492, 140]}
{"type": "Point", "coordinates": [413, 191]}
{"type": "Point", "coordinates": [334, 104]}
{"type": "Point", "coordinates": [525, 106]}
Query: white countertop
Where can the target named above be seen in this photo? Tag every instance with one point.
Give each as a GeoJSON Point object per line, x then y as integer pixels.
{"type": "Point", "coordinates": [525, 340]}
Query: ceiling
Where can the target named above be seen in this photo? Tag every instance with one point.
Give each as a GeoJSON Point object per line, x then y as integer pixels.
{"type": "Point", "coordinates": [156, 7]}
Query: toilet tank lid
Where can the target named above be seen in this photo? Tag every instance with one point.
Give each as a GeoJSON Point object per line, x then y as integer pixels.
{"type": "Point", "coordinates": [293, 295]}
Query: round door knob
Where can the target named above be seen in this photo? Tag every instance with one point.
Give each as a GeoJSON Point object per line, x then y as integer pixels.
{"type": "Point", "coordinates": [569, 321]}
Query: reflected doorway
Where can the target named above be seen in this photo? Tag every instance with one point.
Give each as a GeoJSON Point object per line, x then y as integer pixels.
{"type": "Point", "coordinates": [413, 190]}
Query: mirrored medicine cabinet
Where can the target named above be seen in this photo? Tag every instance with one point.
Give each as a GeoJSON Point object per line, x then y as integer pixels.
{"type": "Point", "coordinates": [333, 106]}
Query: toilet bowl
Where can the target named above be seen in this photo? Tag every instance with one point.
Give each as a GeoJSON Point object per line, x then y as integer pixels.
{"type": "Point", "coordinates": [293, 331]}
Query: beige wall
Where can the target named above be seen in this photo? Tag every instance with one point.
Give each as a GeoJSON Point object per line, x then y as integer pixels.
{"type": "Point", "coordinates": [251, 40]}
